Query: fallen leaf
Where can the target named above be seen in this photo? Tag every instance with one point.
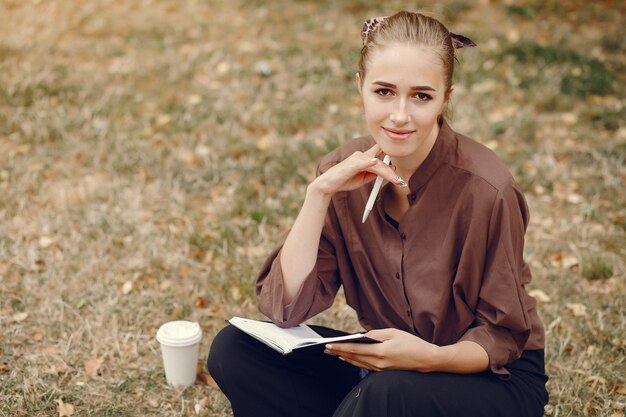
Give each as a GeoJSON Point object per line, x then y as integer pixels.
{"type": "Point", "coordinates": [578, 309]}
{"type": "Point", "coordinates": [203, 376]}
{"type": "Point", "coordinates": [539, 295]}
{"type": "Point", "coordinates": [194, 99]}
{"type": "Point", "coordinates": [563, 261]}
{"type": "Point", "coordinates": [595, 379]}
{"type": "Point", "coordinates": [263, 144]}
{"type": "Point", "coordinates": [202, 151]}
{"type": "Point", "coordinates": [223, 67]}
{"type": "Point", "coordinates": [569, 118]}
{"type": "Point", "coordinates": [17, 317]}
{"type": "Point", "coordinates": [148, 281]}
{"type": "Point", "coordinates": [45, 241]}
{"type": "Point", "coordinates": [186, 156]}
{"type": "Point", "coordinates": [127, 287]}
{"type": "Point", "coordinates": [263, 68]}
{"type": "Point", "coordinates": [235, 292]}
{"type": "Point", "coordinates": [64, 409]}
{"type": "Point", "coordinates": [574, 198]}
{"type": "Point", "coordinates": [92, 366]}
{"type": "Point", "coordinates": [492, 144]}
{"type": "Point", "coordinates": [200, 302]}
{"type": "Point", "coordinates": [215, 309]}
{"type": "Point", "coordinates": [163, 119]}
{"type": "Point", "coordinates": [569, 261]}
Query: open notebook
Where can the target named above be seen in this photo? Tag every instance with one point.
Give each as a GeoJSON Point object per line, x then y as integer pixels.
{"type": "Point", "coordinates": [289, 339]}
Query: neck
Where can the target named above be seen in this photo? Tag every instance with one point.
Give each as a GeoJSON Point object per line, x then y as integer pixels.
{"type": "Point", "coordinates": [407, 165]}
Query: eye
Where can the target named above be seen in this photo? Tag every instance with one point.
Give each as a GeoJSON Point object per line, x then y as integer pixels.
{"type": "Point", "coordinates": [383, 92]}
{"type": "Point", "coordinates": [423, 96]}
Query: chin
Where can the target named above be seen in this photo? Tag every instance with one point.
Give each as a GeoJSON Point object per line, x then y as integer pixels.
{"type": "Point", "coordinates": [397, 150]}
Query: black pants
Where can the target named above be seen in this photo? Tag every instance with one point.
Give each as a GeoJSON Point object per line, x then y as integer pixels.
{"type": "Point", "coordinates": [260, 382]}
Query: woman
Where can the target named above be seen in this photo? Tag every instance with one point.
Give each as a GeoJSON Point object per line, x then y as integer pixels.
{"type": "Point", "coordinates": [435, 272]}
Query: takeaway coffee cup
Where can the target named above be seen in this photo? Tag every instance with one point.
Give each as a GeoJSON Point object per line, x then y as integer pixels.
{"type": "Point", "coordinates": [180, 342]}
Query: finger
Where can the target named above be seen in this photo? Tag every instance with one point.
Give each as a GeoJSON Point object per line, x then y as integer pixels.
{"type": "Point", "coordinates": [355, 164]}
{"type": "Point", "coordinates": [380, 334]}
{"type": "Point", "coordinates": [388, 173]}
{"type": "Point", "coordinates": [350, 349]}
{"type": "Point", "coordinates": [360, 364]}
{"type": "Point", "coordinates": [373, 151]}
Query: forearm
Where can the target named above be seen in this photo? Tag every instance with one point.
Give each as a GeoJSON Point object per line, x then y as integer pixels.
{"type": "Point", "coordinates": [463, 357]}
{"type": "Point", "coordinates": [299, 252]}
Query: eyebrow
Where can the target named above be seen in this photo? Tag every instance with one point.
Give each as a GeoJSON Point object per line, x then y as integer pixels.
{"type": "Point", "coordinates": [417, 87]}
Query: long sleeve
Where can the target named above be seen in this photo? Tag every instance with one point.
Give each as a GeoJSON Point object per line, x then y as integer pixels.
{"type": "Point", "coordinates": [316, 294]}
{"type": "Point", "coordinates": [502, 324]}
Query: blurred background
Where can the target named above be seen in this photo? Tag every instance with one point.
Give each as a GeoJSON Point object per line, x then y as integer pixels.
{"type": "Point", "coordinates": [153, 151]}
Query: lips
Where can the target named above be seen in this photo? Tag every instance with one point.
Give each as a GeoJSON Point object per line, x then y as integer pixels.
{"type": "Point", "coordinates": [397, 134]}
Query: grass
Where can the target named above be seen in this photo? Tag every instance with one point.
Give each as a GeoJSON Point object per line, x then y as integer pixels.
{"type": "Point", "coordinates": [152, 153]}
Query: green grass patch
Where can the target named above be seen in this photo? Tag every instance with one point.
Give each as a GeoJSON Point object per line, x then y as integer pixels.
{"type": "Point", "coordinates": [523, 11]}
{"type": "Point", "coordinates": [597, 267]}
{"type": "Point", "coordinates": [581, 75]}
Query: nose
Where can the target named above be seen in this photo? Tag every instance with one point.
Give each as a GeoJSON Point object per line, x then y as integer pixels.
{"type": "Point", "coordinates": [400, 115]}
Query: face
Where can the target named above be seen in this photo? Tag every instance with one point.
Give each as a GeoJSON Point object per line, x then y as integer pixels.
{"type": "Point", "coordinates": [403, 93]}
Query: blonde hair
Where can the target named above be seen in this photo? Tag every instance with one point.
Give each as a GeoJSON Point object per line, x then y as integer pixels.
{"type": "Point", "coordinates": [412, 28]}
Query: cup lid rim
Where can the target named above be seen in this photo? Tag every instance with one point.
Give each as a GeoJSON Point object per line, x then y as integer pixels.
{"type": "Point", "coordinates": [166, 335]}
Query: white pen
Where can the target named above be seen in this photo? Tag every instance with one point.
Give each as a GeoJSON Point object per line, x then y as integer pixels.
{"type": "Point", "coordinates": [370, 201]}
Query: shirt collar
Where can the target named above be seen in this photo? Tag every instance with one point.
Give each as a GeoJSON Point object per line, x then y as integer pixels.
{"type": "Point", "coordinates": [434, 159]}
{"type": "Point", "coordinates": [426, 170]}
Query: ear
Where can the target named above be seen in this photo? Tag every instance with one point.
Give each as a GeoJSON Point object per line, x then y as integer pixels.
{"type": "Point", "coordinates": [446, 97]}
{"type": "Point", "coordinates": [449, 93]}
{"type": "Point", "coordinates": [359, 83]}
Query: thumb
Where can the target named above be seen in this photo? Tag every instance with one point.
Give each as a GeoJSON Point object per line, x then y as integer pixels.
{"type": "Point", "coordinates": [380, 334]}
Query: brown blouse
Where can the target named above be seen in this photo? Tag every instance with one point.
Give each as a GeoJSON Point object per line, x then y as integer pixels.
{"type": "Point", "coordinates": [453, 270]}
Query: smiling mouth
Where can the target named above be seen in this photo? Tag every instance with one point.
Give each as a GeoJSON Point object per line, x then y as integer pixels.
{"type": "Point", "coordinates": [397, 134]}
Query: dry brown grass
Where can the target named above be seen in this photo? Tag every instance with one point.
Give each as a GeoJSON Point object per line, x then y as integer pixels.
{"type": "Point", "coordinates": [151, 152]}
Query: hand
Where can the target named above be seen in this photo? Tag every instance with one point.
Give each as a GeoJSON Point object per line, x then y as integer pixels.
{"type": "Point", "coordinates": [356, 170]}
{"type": "Point", "coordinates": [398, 350]}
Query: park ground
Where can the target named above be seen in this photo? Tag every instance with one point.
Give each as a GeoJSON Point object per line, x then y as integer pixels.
{"type": "Point", "coordinates": [153, 151]}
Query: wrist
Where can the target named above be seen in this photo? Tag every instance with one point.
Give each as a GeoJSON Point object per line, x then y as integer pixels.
{"type": "Point", "coordinates": [460, 357]}
{"type": "Point", "coordinates": [434, 359]}
{"type": "Point", "coordinates": [315, 190]}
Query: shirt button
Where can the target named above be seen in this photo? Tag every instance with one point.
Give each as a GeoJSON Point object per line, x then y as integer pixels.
{"type": "Point", "coordinates": [397, 275]}
{"type": "Point", "coordinates": [408, 313]}
{"type": "Point", "coordinates": [403, 236]}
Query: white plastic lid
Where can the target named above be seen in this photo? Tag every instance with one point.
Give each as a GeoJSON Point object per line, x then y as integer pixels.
{"type": "Point", "coordinates": [179, 333]}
